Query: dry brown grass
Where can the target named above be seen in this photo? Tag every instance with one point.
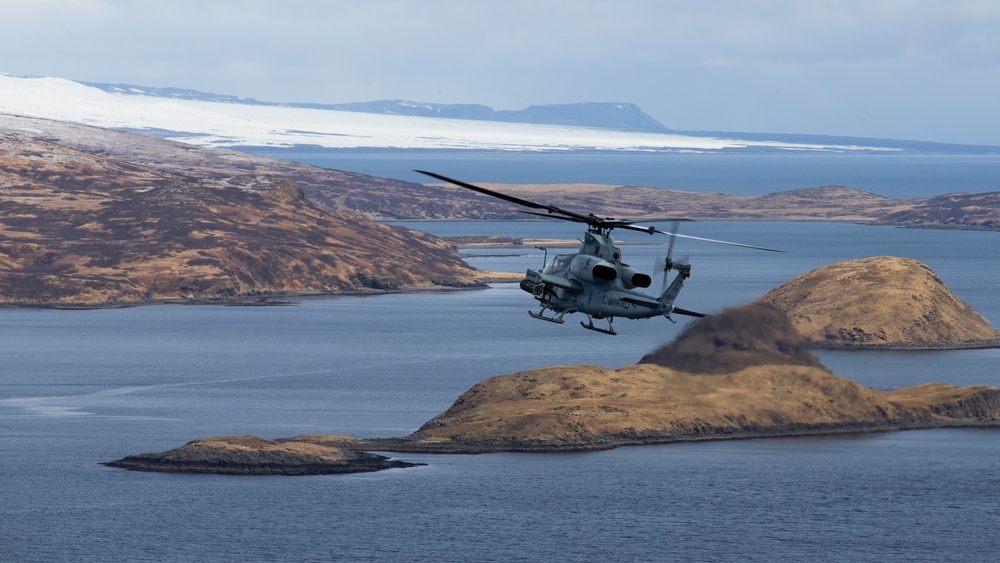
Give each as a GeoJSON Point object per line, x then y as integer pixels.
{"type": "Point", "coordinates": [583, 402]}
{"type": "Point", "coordinates": [879, 301]}
{"type": "Point", "coordinates": [219, 445]}
{"type": "Point", "coordinates": [742, 373]}
{"type": "Point", "coordinates": [81, 229]}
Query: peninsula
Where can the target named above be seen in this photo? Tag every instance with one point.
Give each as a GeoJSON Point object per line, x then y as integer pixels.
{"type": "Point", "coordinates": [744, 373]}
{"type": "Point", "coordinates": [82, 229]}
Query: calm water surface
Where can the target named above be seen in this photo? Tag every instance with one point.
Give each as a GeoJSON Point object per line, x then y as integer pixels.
{"type": "Point", "coordinates": [894, 176]}
{"type": "Point", "coordinates": [81, 387]}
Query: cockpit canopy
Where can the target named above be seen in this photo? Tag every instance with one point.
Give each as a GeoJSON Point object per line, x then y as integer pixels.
{"type": "Point", "coordinates": [558, 264]}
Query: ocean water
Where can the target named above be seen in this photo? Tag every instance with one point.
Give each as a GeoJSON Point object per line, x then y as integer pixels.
{"type": "Point", "coordinates": [81, 387]}
{"type": "Point", "coordinates": [893, 176]}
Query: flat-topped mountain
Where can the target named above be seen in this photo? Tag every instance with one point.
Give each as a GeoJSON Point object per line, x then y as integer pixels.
{"type": "Point", "coordinates": [880, 302]}
{"type": "Point", "coordinates": [610, 115]}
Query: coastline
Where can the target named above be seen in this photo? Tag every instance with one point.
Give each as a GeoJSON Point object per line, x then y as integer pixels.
{"type": "Point", "coordinates": [283, 298]}
{"type": "Point", "coordinates": [906, 346]}
{"type": "Point", "coordinates": [705, 434]}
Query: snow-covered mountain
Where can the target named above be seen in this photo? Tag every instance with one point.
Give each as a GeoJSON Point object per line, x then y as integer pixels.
{"type": "Point", "coordinates": [227, 121]}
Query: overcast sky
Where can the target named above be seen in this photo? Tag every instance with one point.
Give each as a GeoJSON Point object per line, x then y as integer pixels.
{"type": "Point", "coordinates": [901, 69]}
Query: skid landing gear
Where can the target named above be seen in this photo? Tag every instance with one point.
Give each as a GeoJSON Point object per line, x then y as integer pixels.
{"type": "Point", "coordinates": [589, 325]}
{"type": "Point", "coordinates": [540, 315]}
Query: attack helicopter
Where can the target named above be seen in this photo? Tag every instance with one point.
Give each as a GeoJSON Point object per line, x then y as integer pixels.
{"type": "Point", "coordinates": [595, 281]}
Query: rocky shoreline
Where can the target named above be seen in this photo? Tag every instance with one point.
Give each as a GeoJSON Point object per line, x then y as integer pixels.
{"type": "Point", "coordinates": [702, 434]}
{"type": "Point", "coordinates": [907, 346]}
{"type": "Point", "coordinates": [278, 299]}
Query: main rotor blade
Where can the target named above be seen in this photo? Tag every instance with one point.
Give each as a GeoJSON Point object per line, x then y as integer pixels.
{"type": "Point", "coordinates": [505, 197]}
{"type": "Point", "coordinates": [550, 216]}
{"type": "Point", "coordinates": [592, 220]}
{"type": "Point", "coordinates": [652, 230]}
{"type": "Point", "coordinates": [665, 219]}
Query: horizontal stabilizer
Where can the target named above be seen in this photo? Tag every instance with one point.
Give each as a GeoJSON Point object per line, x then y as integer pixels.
{"type": "Point", "coordinates": [680, 311]}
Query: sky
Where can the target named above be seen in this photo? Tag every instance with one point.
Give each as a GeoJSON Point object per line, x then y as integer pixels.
{"type": "Point", "coordinates": [898, 69]}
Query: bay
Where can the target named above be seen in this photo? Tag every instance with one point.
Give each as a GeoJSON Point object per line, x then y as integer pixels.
{"type": "Point", "coordinates": [81, 387]}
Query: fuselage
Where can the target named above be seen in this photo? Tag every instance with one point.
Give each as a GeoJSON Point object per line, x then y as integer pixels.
{"type": "Point", "coordinates": [594, 281]}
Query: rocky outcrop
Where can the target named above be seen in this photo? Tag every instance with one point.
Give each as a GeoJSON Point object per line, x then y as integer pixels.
{"type": "Point", "coordinates": [882, 302]}
{"type": "Point", "coordinates": [250, 455]}
{"type": "Point", "coordinates": [951, 211]}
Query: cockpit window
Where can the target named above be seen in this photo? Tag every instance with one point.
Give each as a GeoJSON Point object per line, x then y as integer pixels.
{"type": "Point", "coordinates": [558, 263]}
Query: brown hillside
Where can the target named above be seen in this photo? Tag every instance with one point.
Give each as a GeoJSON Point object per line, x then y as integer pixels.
{"type": "Point", "coordinates": [80, 229]}
{"type": "Point", "coordinates": [954, 211]}
{"type": "Point", "coordinates": [386, 199]}
{"type": "Point", "coordinates": [591, 406]}
{"type": "Point", "coordinates": [745, 374]}
{"type": "Point", "coordinates": [881, 302]}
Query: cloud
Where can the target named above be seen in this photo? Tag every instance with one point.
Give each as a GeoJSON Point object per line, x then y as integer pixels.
{"type": "Point", "coordinates": [777, 65]}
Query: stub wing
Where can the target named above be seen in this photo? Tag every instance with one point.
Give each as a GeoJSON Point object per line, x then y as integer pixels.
{"type": "Point", "coordinates": [554, 281]}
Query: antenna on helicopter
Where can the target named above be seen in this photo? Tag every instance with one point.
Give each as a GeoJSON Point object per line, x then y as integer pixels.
{"type": "Point", "coordinates": [545, 257]}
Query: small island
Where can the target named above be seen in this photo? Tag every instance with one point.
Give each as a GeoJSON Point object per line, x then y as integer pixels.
{"type": "Point", "coordinates": [311, 454]}
{"type": "Point", "coordinates": [883, 303]}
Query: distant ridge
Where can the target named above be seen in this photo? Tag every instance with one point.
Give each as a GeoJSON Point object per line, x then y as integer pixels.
{"type": "Point", "coordinates": [604, 115]}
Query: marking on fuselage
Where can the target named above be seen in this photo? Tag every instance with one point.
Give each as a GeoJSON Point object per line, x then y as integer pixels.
{"type": "Point", "coordinates": [615, 302]}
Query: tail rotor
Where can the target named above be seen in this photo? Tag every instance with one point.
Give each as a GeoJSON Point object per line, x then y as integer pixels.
{"type": "Point", "coordinates": [664, 265]}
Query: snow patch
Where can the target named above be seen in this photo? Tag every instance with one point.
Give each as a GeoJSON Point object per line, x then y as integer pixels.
{"type": "Point", "coordinates": [218, 124]}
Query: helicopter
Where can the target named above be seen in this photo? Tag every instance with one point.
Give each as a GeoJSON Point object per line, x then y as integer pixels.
{"type": "Point", "coordinates": [595, 281]}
